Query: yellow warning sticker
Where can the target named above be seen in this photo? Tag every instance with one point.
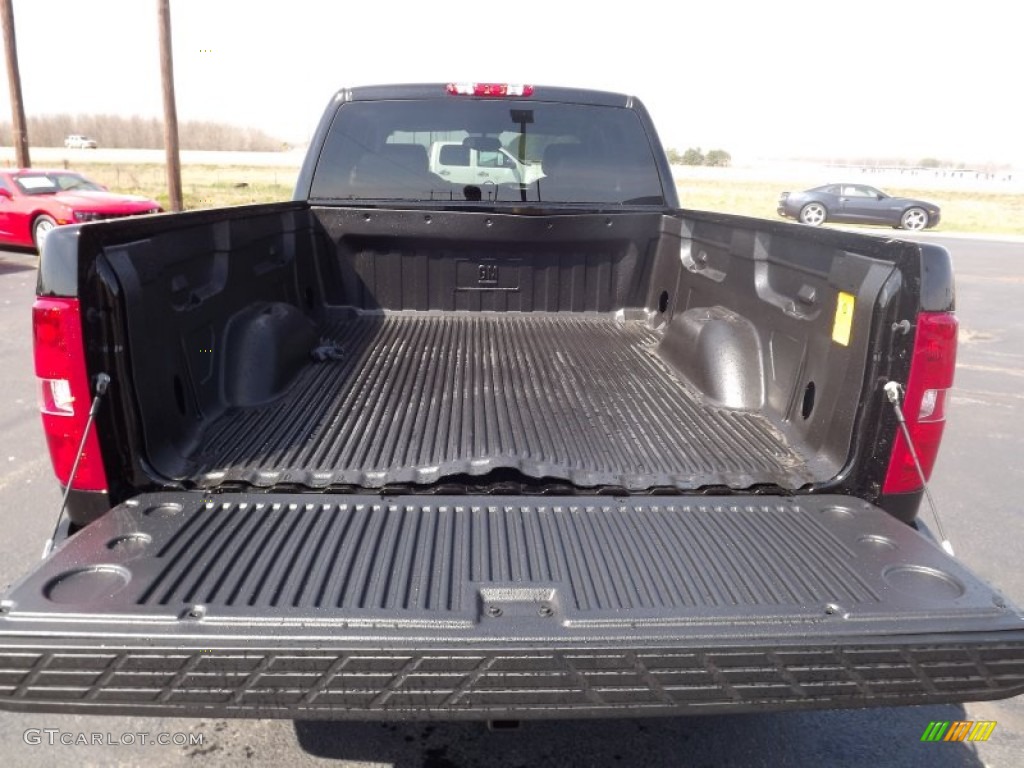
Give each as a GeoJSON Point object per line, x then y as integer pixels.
{"type": "Point", "coordinates": [843, 325]}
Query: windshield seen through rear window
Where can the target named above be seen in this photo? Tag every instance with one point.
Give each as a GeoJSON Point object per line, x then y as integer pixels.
{"type": "Point", "coordinates": [49, 183]}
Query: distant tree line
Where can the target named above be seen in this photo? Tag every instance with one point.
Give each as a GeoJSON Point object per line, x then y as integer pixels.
{"type": "Point", "coordinates": [718, 158]}
{"type": "Point", "coordinates": [935, 163]}
{"type": "Point", "coordinates": [929, 163]}
{"type": "Point", "coordinates": [118, 132]}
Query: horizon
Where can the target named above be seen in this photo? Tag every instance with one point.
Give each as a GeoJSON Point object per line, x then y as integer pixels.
{"type": "Point", "coordinates": [836, 160]}
{"type": "Point", "coordinates": [859, 85]}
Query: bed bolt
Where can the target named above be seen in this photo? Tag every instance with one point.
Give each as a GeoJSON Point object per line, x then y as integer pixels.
{"type": "Point", "coordinates": [195, 612]}
{"type": "Point", "coordinates": [493, 611]}
{"type": "Point", "coordinates": [903, 326]}
{"type": "Point", "coordinates": [831, 609]}
{"type": "Point", "coordinates": [545, 611]}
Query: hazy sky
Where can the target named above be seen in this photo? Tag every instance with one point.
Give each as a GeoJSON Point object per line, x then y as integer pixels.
{"type": "Point", "coordinates": [762, 78]}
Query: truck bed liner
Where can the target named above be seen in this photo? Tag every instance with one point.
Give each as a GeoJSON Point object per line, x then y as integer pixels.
{"type": "Point", "coordinates": [417, 396]}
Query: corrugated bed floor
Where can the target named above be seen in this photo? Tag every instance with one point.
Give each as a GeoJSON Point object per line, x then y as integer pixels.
{"type": "Point", "coordinates": [415, 397]}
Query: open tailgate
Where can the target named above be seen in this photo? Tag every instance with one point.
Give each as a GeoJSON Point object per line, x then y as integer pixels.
{"type": "Point", "coordinates": [303, 605]}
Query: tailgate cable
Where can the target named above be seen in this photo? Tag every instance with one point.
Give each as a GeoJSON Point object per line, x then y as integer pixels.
{"type": "Point", "coordinates": [893, 391]}
{"type": "Point", "coordinates": [102, 382]}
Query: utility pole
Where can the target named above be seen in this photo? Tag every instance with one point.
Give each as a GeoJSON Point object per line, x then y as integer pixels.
{"type": "Point", "coordinates": [14, 85]}
{"type": "Point", "coordinates": [170, 110]}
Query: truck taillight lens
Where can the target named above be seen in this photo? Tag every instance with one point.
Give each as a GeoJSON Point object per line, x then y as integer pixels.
{"type": "Point", "coordinates": [64, 393]}
{"type": "Point", "coordinates": [924, 406]}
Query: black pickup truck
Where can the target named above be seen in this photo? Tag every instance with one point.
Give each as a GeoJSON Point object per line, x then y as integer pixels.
{"type": "Point", "coordinates": [543, 446]}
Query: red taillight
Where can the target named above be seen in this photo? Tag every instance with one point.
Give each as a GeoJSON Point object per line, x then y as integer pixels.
{"type": "Point", "coordinates": [924, 405]}
{"type": "Point", "coordinates": [488, 89]}
{"type": "Point", "coordinates": [65, 393]}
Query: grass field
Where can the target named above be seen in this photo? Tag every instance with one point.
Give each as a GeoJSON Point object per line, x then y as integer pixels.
{"type": "Point", "coordinates": [206, 186]}
{"type": "Point", "coordinates": [202, 186]}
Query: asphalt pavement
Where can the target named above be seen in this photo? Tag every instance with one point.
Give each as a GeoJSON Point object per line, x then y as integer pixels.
{"type": "Point", "coordinates": [977, 482]}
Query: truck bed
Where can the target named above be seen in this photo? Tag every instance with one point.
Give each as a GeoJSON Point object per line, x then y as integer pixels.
{"type": "Point", "coordinates": [415, 397]}
{"type": "Point", "coordinates": [288, 348]}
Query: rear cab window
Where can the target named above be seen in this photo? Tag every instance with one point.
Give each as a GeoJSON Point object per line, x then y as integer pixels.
{"type": "Point", "coordinates": [440, 150]}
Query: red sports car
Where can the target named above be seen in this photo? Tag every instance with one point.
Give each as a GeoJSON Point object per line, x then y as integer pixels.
{"type": "Point", "coordinates": [33, 201]}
